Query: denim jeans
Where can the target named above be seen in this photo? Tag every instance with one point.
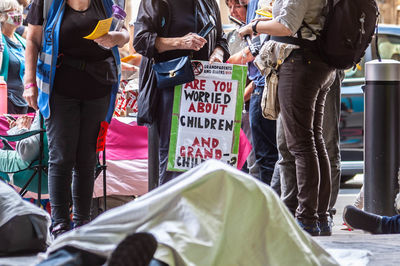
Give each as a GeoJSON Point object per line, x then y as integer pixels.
{"type": "Point", "coordinates": [391, 225]}
{"type": "Point", "coordinates": [72, 131]}
{"type": "Point", "coordinates": [264, 137]}
{"type": "Point", "coordinates": [251, 158]}
{"type": "Point", "coordinates": [286, 163]}
{"type": "Point", "coordinates": [302, 89]}
{"type": "Point", "coordinates": [70, 256]}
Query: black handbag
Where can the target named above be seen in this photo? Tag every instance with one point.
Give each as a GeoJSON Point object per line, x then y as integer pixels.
{"type": "Point", "coordinates": [173, 72]}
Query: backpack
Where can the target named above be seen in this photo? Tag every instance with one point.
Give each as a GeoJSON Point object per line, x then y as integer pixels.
{"type": "Point", "coordinates": [347, 32]}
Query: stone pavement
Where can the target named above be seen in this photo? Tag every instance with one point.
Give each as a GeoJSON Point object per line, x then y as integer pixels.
{"type": "Point", "coordinates": [383, 249]}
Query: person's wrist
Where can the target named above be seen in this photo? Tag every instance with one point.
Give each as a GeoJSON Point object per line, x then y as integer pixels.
{"type": "Point", "coordinates": [254, 27]}
{"type": "Point", "coordinates": [30, 85]}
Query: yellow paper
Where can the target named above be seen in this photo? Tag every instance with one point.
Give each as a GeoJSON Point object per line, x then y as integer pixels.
{"type": "Point", "coordinates": [102, 27]}
{"type": "Point", "coordinates": [264, 13]}
{"type": "Point", "coordinates": [128, 58]}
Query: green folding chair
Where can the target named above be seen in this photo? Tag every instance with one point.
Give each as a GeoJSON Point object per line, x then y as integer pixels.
{"type": "Point", "coordinates": [29, 176]}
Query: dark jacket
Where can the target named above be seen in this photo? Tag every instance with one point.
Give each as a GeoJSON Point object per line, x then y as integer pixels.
{"type": "Point", "coordinates": [152, 22]}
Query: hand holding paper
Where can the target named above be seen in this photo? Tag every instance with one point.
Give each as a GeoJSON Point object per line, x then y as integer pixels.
{"type": "Point", "coordinates": [102, 28]}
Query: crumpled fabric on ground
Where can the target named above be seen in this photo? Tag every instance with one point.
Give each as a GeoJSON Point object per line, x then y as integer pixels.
{"type": "Point", "coordinates": [213, 214]}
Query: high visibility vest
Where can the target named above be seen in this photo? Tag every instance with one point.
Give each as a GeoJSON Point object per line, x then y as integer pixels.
{"type": "Point", "coordinates": [47, 59]}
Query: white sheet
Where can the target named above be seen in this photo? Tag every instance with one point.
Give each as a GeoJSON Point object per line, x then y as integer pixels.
{"type": "Point", "coordinates": [210, 215]}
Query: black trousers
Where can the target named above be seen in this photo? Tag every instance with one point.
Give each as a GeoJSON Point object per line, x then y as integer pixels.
{"type": "Point", "coordinates": [72, 131]}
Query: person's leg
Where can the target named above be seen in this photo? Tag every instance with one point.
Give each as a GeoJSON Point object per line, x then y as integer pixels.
{"type": "Point", "coordinates": [324, 166]}
{"type": "Point", "coordinates": [251, 158]}
{"type": "Point", "coordinates": [92, 113]}
{"type": "Point", "coordinates": [287, 168]}
{"type": "Point", "coordinates": [164, 116]}
{"type": "Point", "coordinates": [390, 225]}
{"type": "Point", "coordinates": [299, 86]}
{"type": "Point", "coordinates": [331, 136]}
{"type": "Point", "coordinates": [62, 129]}
{"type": "Point", "coordinates": [72, 257]}
{"type": "Point", "coordinates": [14, 109]}
{"type": "Point", "coordinates": [263, 137]}
{"type": "Point", "coordinates": [11, 162]}
{"type": "Point", "coordinates": [276, 178]}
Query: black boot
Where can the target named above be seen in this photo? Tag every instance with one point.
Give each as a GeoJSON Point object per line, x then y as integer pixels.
{"type": "Point", "coordinates": [135, 250]}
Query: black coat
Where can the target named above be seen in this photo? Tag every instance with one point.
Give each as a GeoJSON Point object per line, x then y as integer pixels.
{"type": "Point", "coordinates": [152, 22]}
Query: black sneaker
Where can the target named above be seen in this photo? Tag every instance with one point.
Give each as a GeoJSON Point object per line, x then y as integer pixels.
{"type": "Point", "coordinates": [326, 228]}
{"type": "Point", "coordinates": [59, 229]}
{"type": "Point", "coordinates": [135, 250]}
{"type": "Point", "coordinates": [359, 219]}
{"type": "Point", "coordinates": [312, 229]}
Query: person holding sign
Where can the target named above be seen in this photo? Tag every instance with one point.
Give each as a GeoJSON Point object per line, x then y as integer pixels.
{"type": "Point", "coordinates": [165, 30]}
{"type": "Point", "coordinates": [77, 82]}
{"type": "Point", "coordinates": [304, 81]}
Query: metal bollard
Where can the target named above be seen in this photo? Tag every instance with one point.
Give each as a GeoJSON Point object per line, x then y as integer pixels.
{"type": "Point", "coordinates": [382, 135]}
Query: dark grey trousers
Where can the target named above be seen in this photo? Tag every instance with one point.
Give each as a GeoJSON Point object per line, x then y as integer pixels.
{"type": "Point", "coordinates": [164, 117]}
{"type": "Point", "coordinates": [302, 89]}
{"type": "Point", "coordinates": [72, 131]}
{"type": "Point", "coordinates": [286, 163]}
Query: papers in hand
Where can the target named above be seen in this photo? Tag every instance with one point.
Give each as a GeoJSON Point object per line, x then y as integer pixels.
{"type": "Point", "coordinates": [102, 27]}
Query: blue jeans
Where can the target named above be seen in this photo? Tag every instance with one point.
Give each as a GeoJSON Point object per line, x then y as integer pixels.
{"type": "Point", "coordinates": [391, 225]}
{"type": "Point", "coordinates": [264, 137]}
{"type": "Point", "coordinates": [70, 256]}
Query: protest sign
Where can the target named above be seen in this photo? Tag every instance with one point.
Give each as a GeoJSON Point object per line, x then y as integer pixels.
{"type": "Point", "coordinates": [206, 116]}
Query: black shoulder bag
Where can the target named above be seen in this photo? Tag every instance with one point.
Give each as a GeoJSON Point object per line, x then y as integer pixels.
{"type": "Point", "coordinates": [175, 71]}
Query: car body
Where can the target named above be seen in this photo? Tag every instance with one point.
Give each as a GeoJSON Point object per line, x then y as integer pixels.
{"type": "Point", "coordinates": [352, 101]}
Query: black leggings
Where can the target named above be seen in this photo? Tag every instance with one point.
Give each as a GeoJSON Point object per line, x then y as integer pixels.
{"type": "Point", "coordinates": [72, 131]}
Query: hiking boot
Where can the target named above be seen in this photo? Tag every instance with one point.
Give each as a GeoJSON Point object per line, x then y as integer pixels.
{"type": "Point", "coordinates": [135, 250]}
{"type": "Point", "coordinates": [312, 229]}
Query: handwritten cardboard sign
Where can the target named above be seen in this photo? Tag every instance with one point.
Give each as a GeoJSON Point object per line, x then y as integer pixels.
{"type": "Point", "coordinates": [206, 116]}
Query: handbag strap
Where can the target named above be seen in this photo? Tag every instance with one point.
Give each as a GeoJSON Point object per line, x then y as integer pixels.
{"type": "Point", "coordinates": [195, 16]}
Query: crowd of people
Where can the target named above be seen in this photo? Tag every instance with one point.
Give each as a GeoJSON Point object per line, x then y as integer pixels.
{"type": "Point", "coordinates": [297, 154]}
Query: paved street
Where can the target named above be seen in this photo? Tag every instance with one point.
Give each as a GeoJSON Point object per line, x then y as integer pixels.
{"type": "Point", "coordinates": [383, 249]}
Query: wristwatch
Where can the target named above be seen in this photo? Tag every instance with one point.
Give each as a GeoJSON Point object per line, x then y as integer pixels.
{"type": "Point", "coordinates": [254, 27]}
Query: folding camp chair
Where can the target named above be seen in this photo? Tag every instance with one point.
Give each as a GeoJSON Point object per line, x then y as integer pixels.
{"type": "Point", "coordinates": [101, 167]}
{"type": "Point", "coordinates": [32, 176]}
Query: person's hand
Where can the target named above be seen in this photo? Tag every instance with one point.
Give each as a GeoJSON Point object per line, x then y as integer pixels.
{"type": "Point", "coordinates": [245, 30]}
{"type": "Point", "coordinates": [11, 123]}
{"type": "Point", "coordinates": [192, 41]}
{"type": "Point", "coordinates": [31, 95]}
{"type": "Point", "coordinates": [242, 57]}
{"type": "Point", "coordinates": [217, 55]}
{"type": "Point", "coordinates": [110, 39]}
{"type": "Point", "coordinates": [24, 122]}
